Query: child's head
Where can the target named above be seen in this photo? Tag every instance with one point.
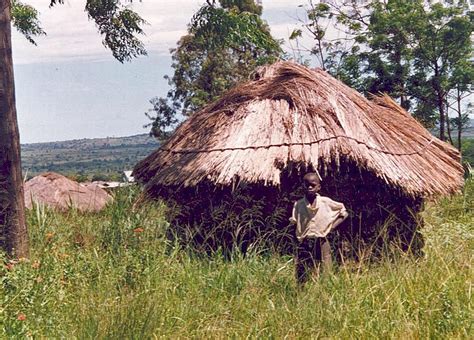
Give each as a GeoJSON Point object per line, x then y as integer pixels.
{"type": "Point", "coordinates": [311, 184]}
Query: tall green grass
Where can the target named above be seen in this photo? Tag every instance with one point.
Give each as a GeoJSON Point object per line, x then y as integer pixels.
{"type": "Point", "coordinates": [115, 275]}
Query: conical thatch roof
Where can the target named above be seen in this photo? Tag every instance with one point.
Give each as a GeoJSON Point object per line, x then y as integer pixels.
{"type": "Point", "coordinates": [290, 113]}
{"type": "Point", "coordinates": [59, 192]}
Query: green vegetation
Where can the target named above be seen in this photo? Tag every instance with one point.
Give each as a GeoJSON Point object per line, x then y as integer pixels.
{"type": "Point", "coordinates": [225, 42]}
{"type": "Point", "coordinates": [120, 27]}
{"type": "Point", "coordinates": [418, 54]}
{"type": "Point", "coordinates": [88, 159]}
{"type": "Point", "coordinates": [468, 150]}
{"type": "Point", "coordinates": [114, 275]}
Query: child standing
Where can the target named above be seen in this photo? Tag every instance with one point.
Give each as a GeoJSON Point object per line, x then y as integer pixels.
{"type": "Point", "coordinates": [315, 217]}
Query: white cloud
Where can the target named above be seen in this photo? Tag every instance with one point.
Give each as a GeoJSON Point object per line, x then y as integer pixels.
{"type": "Point", "coordinates": [71, 36]}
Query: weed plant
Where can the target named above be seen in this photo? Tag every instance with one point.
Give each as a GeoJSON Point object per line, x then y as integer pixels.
{"type": "Point", "coordinates": [115, 274]}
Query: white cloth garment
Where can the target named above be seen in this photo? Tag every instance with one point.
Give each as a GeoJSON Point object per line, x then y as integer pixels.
{"type": "Point", "coordinates": [319, 219]}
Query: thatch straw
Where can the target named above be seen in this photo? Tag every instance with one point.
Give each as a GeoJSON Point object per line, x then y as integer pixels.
{"type": "Point", "coordinates": [292, 114]}
{"type": "Point", "coordinates": [58, 192]}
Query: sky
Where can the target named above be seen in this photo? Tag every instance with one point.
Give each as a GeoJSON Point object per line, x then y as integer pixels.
{"type": "Point", "coordinates": [70, 87]}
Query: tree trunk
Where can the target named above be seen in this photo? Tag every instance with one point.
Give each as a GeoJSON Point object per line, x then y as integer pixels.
{"type": "Point", "coordinates": [459, 119]}
{"type": "Point", "coordinates": [440, 103]}
{"type": "Point", "coordinates": [320, 47]}
{"type": "Point", "coordinates": [404, 102]}
{"type": "Point", "coordinates": [448, 124]}
{"type": "Point", "coordinates": [13, 232]}
{"type": "Point", "coordinates": [442, 118]}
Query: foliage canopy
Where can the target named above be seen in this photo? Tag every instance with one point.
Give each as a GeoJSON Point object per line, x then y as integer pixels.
{"type": "Point", "coordinates": [223, 46]}
{"type": "Point", "coordinates": [418, 54]}
{"type": "Point", "coordinates": [119, 25]}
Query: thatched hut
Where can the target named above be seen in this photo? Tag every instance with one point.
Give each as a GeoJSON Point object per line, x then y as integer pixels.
{"type": "Point", "coordinates": [262, 135]}
{"type": "Point", "coordinates": [59, 192]}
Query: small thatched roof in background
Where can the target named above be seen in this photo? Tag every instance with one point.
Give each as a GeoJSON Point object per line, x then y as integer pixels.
{"type": "Point", "coordinates": [290, 113]}
{"type": "Point", "coordinates": [59, 192]}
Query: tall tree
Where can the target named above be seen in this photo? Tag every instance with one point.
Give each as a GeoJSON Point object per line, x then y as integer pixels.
{"type": "Point", "coordinates": [387, 60]}
{"type": "Point", "coordinates": [316, 25]}
{"type": "Point", "coordinates": [462, 80]}
{"type": "Point", "coordinates": [225, 42]}
{"type": "Point", "coordinates": [118, 24]}
{"type": "Point", "coordinates": [13, 235]}
{"type": "Point", "coordinates": [380, 57]}
{"type": "Point", "coordinates": [441, 43]}
{"type": "Point", "coordinates": [338, 56]}
{"type": "Point", "coordinates": [412, 50]}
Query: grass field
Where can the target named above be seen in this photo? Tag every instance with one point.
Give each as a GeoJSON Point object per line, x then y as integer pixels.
{"type": "Point", "coordinates": [114, 275]}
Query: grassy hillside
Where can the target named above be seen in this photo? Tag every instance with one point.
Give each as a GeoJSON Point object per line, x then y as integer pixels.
{"type": "Point", "coordinates": [114, 275]}
{"type": "Point", "coordinates": [468, 150]}
{"type": "Point", "coordinates": [105, 157]}
{"type": "Point", "coordinates": [469, 130]}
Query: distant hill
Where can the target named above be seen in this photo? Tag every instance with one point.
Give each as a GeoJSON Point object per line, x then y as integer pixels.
{"type": "Point", "coordinates": [101, 158]}
{"type": "Point", "coordinates": [469, 132]}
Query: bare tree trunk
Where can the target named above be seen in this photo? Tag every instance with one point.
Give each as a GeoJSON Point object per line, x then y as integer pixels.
{"type": "Point", "coordinates": [321, 54]}
{"type": "Point", "coordinates": [404, 102]}
{"type": "Point", "coordinates": [440, 103]}
{"type": "Point", "coordinates": [448, 124]}
{"type": "Point", "coordinates": [442, 118]}
{"type": "Point", "coordinates": [13, 232]}
{"type": "Point", "coordinates": [458, 98]}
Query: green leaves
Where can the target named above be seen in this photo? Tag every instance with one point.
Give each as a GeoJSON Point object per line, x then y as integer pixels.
{"type": "Point", "coordinates": [441, 51]}
{"type": "Point", "coordinates": [119, 26]}
{"type": "Point", "coordinates": [164, 119]}
{"type": "Point", "coordinates": [416, 53]}
{"type": "Point", "coordinates": [25, 20]}
{"type": "Point", "coordinates": [231, 28]}
{"type": "Point", "coordinates": [223, 46]}
{"type": "Point", "coordinates": [297, 33]}
{"type": "Point", "coordinates": [242, 6]}
{"type": "Point", "coordinates": [319, 11]}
